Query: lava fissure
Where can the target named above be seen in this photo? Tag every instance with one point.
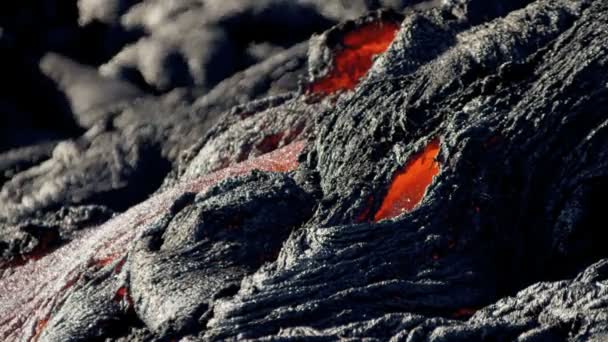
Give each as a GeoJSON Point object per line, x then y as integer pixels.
{"type": "Point", "coordinates": [450, 186]}
{"type": "Point", "coordinates": [409, 185]}
{"type": "Point", "coordinates": [355, 56]}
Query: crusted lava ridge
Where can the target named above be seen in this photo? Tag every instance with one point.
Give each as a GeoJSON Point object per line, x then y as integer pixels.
{"type": "Point", "coordinates": [453, 192]}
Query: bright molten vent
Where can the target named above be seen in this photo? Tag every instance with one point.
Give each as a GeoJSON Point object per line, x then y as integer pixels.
{"type": "Point", "coordinates": [409, 185]}
{"type": "Point", "coordinates": [355, 56]}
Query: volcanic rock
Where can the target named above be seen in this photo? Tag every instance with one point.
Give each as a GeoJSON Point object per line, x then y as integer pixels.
{"type": "Point", "coordinates": [435, 174]}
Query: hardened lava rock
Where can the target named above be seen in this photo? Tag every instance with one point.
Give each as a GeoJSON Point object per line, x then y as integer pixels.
{"type": "Point", "coordinates": [519, 114]}
{"type": "Point", "coordinates": [442, 182]}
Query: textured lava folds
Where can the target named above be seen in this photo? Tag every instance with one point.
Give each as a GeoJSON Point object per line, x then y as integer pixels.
{"type": "Point", "coordinates": [99, 247]}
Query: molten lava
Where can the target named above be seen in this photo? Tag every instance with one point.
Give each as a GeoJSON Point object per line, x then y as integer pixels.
{"type": "Point", "coordinates": [409, 185]}
{"type": "Point", "coordinates": [30, 292]}
{"type": "Point", "coordinates": [356, 57]}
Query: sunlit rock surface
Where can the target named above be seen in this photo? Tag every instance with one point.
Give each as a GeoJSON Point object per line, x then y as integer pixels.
{"type": "Point", "coordinates": [269, 170]}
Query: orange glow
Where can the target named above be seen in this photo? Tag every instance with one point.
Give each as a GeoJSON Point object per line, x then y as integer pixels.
{"type": "Point", "coordinates": [40, 328]}
{"type": "Point", "coordinates": [356, 57]}
{"type": "Point", "coordinates": [121, 293]}
{"type": "Point", "coordinates": [409, 186]}
{"type": "Point", "coordinates": [364, 215]}
{"type": "Point", "coordinates": [282, 160]}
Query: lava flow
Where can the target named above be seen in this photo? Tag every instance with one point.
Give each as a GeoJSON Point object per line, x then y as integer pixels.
{"type": "Point", "coordinates": [408, 187]}
{"type": "Point", "coordinates": [356, 57]}
{"type": "Point", "coordinates": [29, 293]}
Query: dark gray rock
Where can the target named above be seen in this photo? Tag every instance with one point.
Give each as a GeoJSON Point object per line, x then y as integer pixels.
{"type": "Point", "coordinates": [17, 160]}
{"type": "Point", "coordinates": [100, 168]}
{"type": "Point", "coordinates": [200, 252]}
{"type": "Point", "coordinates": [507, 79]}
{"type": "Point", "coordinates": [37, 235]}
{"type": "Point", "coordinates": [506, 244]}
{"type": "Point", "coordinates": [275, 76]}
{"type": "Point", "coordinates": [134, 139]}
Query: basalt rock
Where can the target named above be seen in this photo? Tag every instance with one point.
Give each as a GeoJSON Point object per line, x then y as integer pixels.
{"type": "Point", "coordinates": [432, 175]}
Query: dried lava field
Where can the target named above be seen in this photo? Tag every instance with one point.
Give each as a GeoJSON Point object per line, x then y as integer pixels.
{"type": "Point", "coordinates": [303, 170]}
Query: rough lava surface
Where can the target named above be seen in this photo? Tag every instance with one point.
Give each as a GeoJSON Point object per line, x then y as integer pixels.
{"type": "Point", "coordinates": [204, 170]}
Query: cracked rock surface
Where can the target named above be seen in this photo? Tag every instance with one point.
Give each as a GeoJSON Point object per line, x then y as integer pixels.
{"type": "Point", "coordinates": [184, 181]}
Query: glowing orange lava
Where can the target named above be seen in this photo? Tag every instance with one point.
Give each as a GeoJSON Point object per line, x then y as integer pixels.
{"type": "Point", "coordinates": [356, 57]}
{"type": "Point", "coordinates": [40, 328]}
{"type": "Point", "coordinates": [409, 186]}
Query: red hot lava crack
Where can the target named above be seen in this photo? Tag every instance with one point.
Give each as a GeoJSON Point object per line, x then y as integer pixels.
{"type": "Point", "coordinates": [356, 56]}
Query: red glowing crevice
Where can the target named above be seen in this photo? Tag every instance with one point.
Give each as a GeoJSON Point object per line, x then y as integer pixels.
{"type": "Point", "coordinates": [122, 295]}
{"type": "Point", "coordinates": [40, 328]}
{"type": "Point", "coordinates": [356, 56]}
{"type": "Point", "coordinates": [364, 216]}
{"type": "Point", "coordinates": [464, 313]}
{"type": "Point", "coordinates": [29, 293]}
{"type": "Point", "coordinates": [270, 142]}
{"type": "Point", "coordinates": [409, 186]}
{"type": "Point", "coordinates": [105, 261]}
